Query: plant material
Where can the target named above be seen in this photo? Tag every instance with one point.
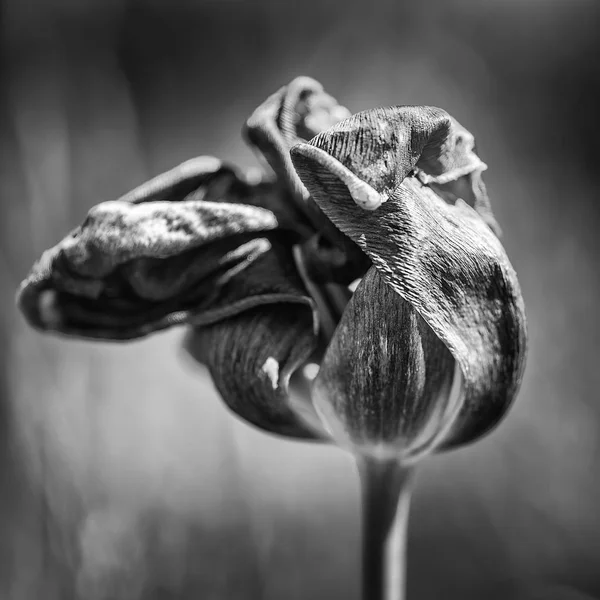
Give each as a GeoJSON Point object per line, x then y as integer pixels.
{"type": "Point", "coordinates": [426, 354]}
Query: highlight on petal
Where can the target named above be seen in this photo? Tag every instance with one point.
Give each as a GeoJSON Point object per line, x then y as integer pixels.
{"type": "Point", "coordinates": [440, 257]}
{"type": "Point", "coordinates": [360, 191]}
{"type": "Point", "coordinates": [152, 259]}
{"type": "Point", "coordinates": [385, 382]}
{"type": "Point", "coordinates": [252, 354]}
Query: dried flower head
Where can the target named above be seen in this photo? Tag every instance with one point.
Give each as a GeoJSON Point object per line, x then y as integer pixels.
{"type": "Point", "coordinates": [260, 273]}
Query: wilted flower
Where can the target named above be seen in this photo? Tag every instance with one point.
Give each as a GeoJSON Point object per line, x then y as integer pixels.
{"type": "Point", "coordinates": [428, 351]}
{"type": "Point", "coordinates": [259, 268]}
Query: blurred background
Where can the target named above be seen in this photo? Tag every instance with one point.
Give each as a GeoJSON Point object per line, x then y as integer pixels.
{"type": "Point", "coordinates": [121, 475]}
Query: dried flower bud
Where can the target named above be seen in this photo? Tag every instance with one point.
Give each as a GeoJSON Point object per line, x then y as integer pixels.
{"type": "Point", "coordinates": [396, 198]}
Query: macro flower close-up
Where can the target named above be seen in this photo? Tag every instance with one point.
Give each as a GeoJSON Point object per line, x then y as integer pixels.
{"type": "Point", "coordinates": [354, 291]}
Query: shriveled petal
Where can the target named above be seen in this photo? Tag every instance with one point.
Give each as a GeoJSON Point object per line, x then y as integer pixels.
{"type": "Point", "coordinates": [454, 171]}
{"type": "Point", "coordinates": [252, 354]}
{"type": "Point", "coordinates": [419, 140]}
{"type": "Point", "coordinates": [152, 259]}
{"type": "Point", "coordinates": [210, 179]}
{"type": "Point", "coordinates": [441, 258]}
{"type": "Point", "coordinates": [297, 111]}
{"type": "Point", "coordinates": [385, 380]}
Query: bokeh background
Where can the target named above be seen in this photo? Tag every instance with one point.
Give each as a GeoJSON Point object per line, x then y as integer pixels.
{"type": "Point", "coordinates": [121, 475]}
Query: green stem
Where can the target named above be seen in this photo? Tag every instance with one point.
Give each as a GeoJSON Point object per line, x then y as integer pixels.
{"type": "Point", "coordinates": [386, 490]}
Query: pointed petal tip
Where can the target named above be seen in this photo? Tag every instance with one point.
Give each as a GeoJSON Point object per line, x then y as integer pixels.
{"type": "Point", "coordinates": [360, 191]}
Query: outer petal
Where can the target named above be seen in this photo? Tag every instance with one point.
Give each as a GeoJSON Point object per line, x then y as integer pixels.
{"type": "Point", "coordinates": [252, 354]}
{"type": "Point", "coordinates": [419, 140]}
{"type": "Point", "coordinates": [385, 380]}
{"type": "Point", "coordinates": [440, 257]}
{"type": "Point", "coordinates": [157, 257]}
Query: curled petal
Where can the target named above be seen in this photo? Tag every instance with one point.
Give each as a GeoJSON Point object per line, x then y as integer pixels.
{"type": "Point", "coordinates": [385, 380]}
{"type": "Point", "coordinates": [252, 354]}
{"type": "Point", "coordinates": [296, 112]}
{"type": "Point", "coordinates": [454, 171]}
{"type": "Point", "coordinates": [154, 258]}
{"type": "Point", "coordinates": [419, 140]}
{"type": "Point", "coordinates": [209, 179]}
{"type": "Point", "coordinates": [441, 258]}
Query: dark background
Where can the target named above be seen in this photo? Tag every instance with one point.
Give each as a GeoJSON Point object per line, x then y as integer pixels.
{"type": "Point", "coordinates": [121, 475]}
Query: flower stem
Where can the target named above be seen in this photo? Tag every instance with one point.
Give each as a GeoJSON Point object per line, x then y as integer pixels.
{"type": "Point", "coordinates": [386, 490]}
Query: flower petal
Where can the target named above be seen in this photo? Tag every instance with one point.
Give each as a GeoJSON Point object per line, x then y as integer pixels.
{"type": "Point", "coordinates": [441, 258]}
{"type": "Point", "coordinates": [422, 140]}
{"type": "Point", "coordinates": [207, 178]}
{"type": "Point", "coordinates": [252, 354]}
{"type": "Point", "coordinates": [296, 111]}
{"type": "Point", "coordinates": [385, 380]}
{"type": "Point", "coordinates": [152, 259]}
{"type": "Point", "coordinates": [454, 171]}
{"type": "Point", "coordinates": [251, 357]}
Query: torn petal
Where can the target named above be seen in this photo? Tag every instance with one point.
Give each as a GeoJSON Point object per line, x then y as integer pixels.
{"type": "Point", "coordinates": [441, 258]}
{"type": "Point", "coordinates": [454, 171]}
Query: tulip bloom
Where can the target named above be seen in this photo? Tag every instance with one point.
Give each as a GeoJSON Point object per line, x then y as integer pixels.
{"type": "Point", "coordinates": [426, 354]}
